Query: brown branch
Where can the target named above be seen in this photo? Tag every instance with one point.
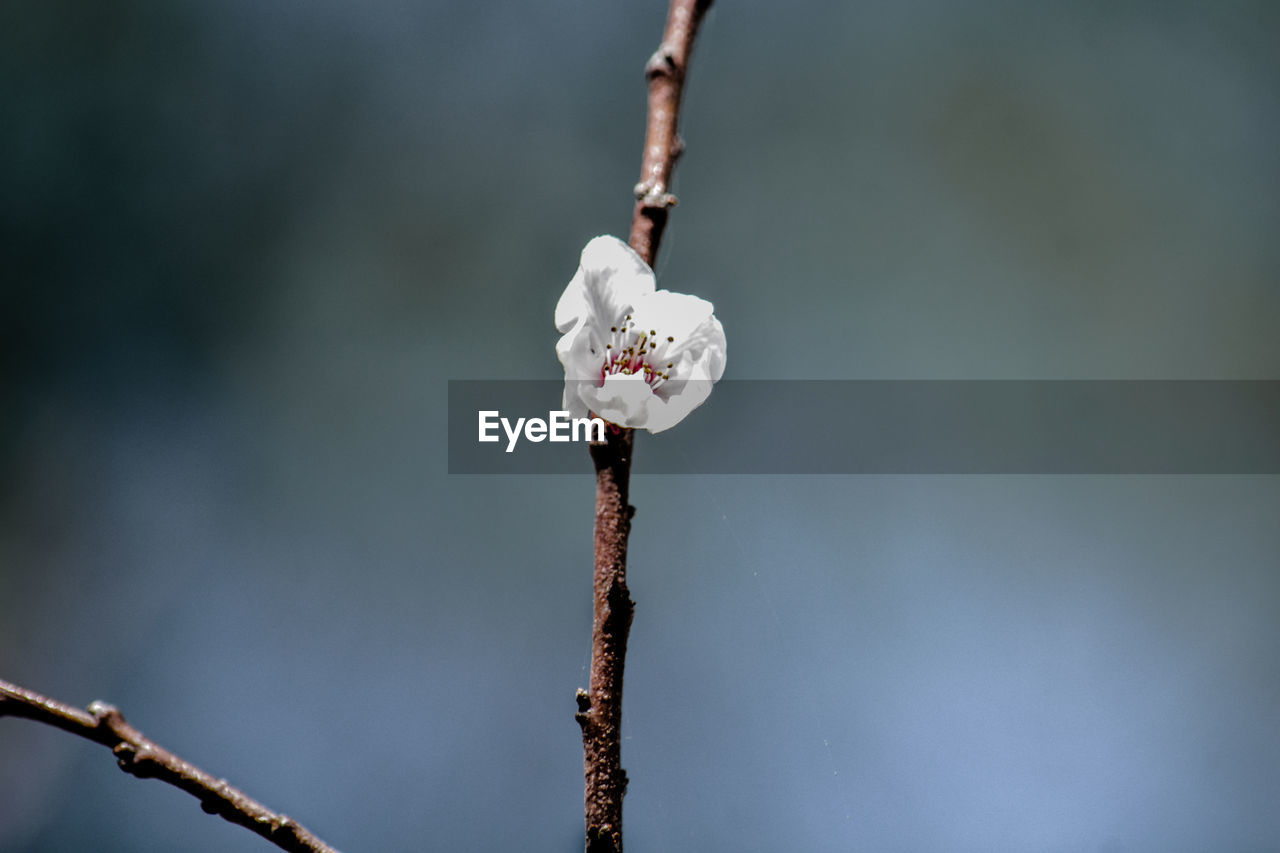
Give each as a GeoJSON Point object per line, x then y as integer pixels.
{"type": "Point", "coordinates": [600, 707]}
{"type": "Point", "coordinates": [135, 754]}
{"type": "Point", "coordinates": [666, 72]}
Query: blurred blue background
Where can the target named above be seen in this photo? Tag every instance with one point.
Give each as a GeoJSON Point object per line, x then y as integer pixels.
{"type": "Point", "coordinates": [245, 244]}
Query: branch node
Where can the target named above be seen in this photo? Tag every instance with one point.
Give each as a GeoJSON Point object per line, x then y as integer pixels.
{"type": "Point", "coordinates": [104, 714]}
{"type": "Point", "coordinates": [603, 839]}
{"type": "Point", "coordinates": [661, 64]}
{"type": "Point", "coordinates": [136, 759]}
{"type": "Point", "coordinates": [653, 196]}
{"type": "Point", "coordinates": [286, 824]}
{"type": "Point", "coordinates": [620, 604]}
{"type": "Point", "coordinates": [583, 716]}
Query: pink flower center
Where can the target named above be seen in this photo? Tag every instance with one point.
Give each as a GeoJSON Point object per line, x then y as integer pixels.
{"type": "Point", "coordinates": [636, 352]}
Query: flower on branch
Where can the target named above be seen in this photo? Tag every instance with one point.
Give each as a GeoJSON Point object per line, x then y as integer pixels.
{"type": "Point", "coordinates": [635, 356]}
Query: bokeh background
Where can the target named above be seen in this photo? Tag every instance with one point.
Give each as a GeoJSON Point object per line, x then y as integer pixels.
{"type": "Point", "coordinates": [245, 244]}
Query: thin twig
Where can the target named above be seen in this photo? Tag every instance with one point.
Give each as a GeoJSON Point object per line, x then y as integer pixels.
{"type": "Point", "coordinates": [666, 71]}
{"type": "Point", "coordinates": [600, 707]}
{"type": "Point", "coordinates": [104, 724]}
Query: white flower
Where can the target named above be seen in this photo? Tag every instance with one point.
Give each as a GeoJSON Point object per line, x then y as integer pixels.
{"type": "Point", "coordinates": [635, 356]}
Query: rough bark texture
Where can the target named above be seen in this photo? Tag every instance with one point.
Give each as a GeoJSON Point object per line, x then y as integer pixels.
{"type": "Point", "coordinates": [135, 754]}
{"type": "Point", "coordinates": [600, 707]}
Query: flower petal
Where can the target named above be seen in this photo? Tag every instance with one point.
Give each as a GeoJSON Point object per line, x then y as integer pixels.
{"type": "Point", "coordinates": [706, 346]}
{"type": "Point", "coordinates": [609, 280]}
{"type": "Point", "coordinates": [623, 399]}
{"type": "Point", "coordinates": [676, 314]}
{"type": "Point", "coordinates": [572, 401]}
